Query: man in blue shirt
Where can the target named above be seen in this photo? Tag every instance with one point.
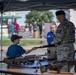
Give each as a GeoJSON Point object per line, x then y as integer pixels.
{"type": "Point", "coordinates": [51, 51]}
{"type": "Point", "coordinates": [16, 50]}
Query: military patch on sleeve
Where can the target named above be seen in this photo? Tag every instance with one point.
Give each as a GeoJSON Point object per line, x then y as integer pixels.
{"type": "Point", "coordinates": [48, 36]}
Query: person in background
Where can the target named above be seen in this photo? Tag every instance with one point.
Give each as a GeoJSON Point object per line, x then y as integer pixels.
{"type": "Point", "coordinates": [16, 28]}
{"type": "Point", "coordinates": [30, 30]}
{"type": "Point", "coordinates": [35, 30]}
{"type": "Point", "coordinates": [40, 30]}
{"type": "Point", "coordinates": [13, 29]}
{"type": "Point", "coordinates": [9, 29]}
{"type": "Point", "coordinates": [51, 51]}
{"type": "Point", "coordinates": [35, 26]}
{"type": "Point", "coordinates": [64, 39]}
{"type": "Point", "coordinates": [16, 50]}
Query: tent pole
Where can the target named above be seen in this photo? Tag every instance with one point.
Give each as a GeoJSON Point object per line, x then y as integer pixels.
{"type": "Point", "coordinates": [1, 30]}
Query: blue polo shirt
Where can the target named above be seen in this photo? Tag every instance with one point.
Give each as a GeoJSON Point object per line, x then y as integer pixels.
{"type": "Point", "coordinates": [50, 37]}
{"type": "Point", "coordinates": [15, 51]}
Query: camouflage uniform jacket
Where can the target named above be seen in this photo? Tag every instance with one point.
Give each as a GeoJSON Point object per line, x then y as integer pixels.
{"type": "Point", "coordinates": [65, 50]}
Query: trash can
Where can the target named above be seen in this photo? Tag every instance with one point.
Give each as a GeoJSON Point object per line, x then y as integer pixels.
{"type": "Point", "coordinates": [35, 35]}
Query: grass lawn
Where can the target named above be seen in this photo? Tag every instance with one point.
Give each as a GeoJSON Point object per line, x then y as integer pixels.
{"type": "Point", "coordinates": [23, 42]}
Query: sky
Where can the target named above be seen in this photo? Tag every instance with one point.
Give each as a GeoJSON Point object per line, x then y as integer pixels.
{"type": "Point", "coordinates": [21, 21]}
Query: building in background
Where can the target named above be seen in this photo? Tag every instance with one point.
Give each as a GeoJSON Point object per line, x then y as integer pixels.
{"type": "Point", "coordinates": [73, 16]}
{"type": "Point", "coordinates": [67, 11]}
{"type": "Point", "coordinates": [10, 16]}
{"type": "Point", "coordinates": [4, 21]}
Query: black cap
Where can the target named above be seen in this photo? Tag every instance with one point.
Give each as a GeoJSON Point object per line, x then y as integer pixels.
{"type": "Point", "coordinates": [14, 37]}
{"type": "Point", "coordinates": [60, 12]}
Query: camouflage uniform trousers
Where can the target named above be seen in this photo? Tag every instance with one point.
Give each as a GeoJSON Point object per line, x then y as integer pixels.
{"type": "Point", "coordinates": [51, 51]}
{"type": "Point", "coordinates": [65, 52]}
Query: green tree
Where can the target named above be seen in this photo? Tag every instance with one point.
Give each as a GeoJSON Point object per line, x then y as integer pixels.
{"type": "Point", "coordinates": [45, 16]}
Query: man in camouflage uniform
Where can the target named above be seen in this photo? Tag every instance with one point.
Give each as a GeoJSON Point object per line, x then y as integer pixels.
{"type": "Point", "coordinates": [64, 39]}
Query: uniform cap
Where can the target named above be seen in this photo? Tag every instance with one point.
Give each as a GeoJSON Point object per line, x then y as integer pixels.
{"type": "Point", "coordinates": [60, 12]}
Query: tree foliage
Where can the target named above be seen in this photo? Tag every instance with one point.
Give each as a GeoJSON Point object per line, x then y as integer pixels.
{"type": "Point", "coordinates": [45, 16]}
